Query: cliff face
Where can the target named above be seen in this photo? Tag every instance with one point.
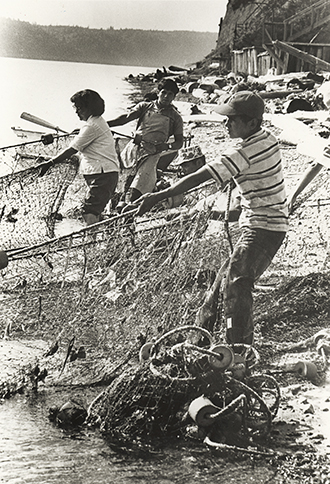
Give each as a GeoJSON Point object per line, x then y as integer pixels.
{"type": "Point", "coordinates": [235, 16]}
{"type": "Point", "coordinates": [242, 25]}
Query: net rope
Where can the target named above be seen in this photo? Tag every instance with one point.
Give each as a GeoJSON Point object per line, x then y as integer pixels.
{"type": "Point", "coordinates": [120, 283]}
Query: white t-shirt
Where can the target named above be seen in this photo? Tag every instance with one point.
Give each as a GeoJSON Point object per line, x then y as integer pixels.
{"type": "Point", "coordinates": [97, 147]}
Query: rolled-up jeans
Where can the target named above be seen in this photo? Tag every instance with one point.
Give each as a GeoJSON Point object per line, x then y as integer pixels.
{"type": "Point", "coordinates": [252, 255]}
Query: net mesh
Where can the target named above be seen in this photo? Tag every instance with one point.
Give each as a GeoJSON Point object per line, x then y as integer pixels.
{"type": "Point", "coordinates": [29, 204]}
{"type": "Point", "coordinates": [161, 398]}
{"type": "Point", "coordinates": [120, 283]}
{"type": "Point", "coordinates": [139, 405]}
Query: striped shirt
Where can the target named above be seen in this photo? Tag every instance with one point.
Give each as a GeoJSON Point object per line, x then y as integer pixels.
{"type": "Point", "coordinates": [256, 167]}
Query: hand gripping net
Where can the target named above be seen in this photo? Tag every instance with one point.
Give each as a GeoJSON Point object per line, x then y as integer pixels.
{"type": "Point", "coordinates": [29, 204]}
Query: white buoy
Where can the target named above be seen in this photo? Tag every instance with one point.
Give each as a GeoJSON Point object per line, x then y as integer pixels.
{"type": "Point", "coordinates": [307, 369]}
{"type": "Point", "coordinates": [144, 353]}
{"type": "Point", "coordinates": [226, 357]}
{"type": "Point", "coordinates": [200, 410]}
{"type": "Point", "coordinates": [323, 333]}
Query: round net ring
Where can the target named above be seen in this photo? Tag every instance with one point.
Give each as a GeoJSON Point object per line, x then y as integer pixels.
{"type": "Point", "coordinates": [248, 353]}
{"type": "Point", "coordinates": [257, 415]}
{"type": "Point", "coordinates": [269, 390]}
{"type": "Point", "coordinates": [178, 352]}
{"type": "Point", "coordinates": [180, 329]}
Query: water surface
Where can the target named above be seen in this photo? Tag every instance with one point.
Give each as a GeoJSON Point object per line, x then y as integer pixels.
{"type": "Point", "coordinates": [44, 88]}
{"type": "Point", "coordinates": [33, 450]}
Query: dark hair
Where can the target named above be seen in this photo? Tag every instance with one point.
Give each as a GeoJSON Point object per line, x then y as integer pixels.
{"type": "Point", "coordinates": [241, 86]}
{"type": "Point", "coordinates": [169, 85]}
{"type": "Point", "coordinates": [150, 96]}
{"type": "Point", "coordinates": [89, 99]}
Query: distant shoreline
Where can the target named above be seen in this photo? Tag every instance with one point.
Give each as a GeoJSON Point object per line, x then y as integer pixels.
{"type": "Point", "coordinates": [124, 47]}
{"type": "Point", "coordinates": [77, 62]}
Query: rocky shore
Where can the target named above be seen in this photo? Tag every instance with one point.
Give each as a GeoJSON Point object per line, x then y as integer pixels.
{"type": "Point", "coordinates": [291, 307]}
{"type": "Point", "coordinates": [291, 302]}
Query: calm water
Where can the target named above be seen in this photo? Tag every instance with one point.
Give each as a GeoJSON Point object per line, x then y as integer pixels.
{"type": "Point", "coordinates": [44, 88]}
{"type": "Point", "coordinates": [32, 449]}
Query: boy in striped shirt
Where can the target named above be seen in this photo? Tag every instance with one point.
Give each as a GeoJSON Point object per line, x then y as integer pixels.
{"type": "Point", "coordinates": [256, 168]}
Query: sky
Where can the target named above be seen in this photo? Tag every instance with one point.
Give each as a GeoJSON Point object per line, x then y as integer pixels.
{"type": "Point", "coordinates": [195, 15]}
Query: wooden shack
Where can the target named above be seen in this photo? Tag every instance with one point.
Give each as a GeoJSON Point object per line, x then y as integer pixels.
{"type": "Point", "coordinates": [251, 60]}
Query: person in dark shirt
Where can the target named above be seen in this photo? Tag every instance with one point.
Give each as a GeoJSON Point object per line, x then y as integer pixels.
{"type": "Point", "coordinates": [158, 120]}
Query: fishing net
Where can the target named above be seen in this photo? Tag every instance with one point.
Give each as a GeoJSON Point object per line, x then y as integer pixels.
{"type": "Point", "coordinates": [179, 385]}
{"type": "Point", "coordinates": [29, 204]}
{"type": "Point", "coordinates": [112, 287]}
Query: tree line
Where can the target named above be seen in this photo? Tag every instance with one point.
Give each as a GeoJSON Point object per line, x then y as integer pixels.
{"type": "Point", "coordinates": [148, 48]}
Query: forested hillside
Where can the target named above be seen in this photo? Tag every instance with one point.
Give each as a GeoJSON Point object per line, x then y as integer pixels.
{"type": "Point", "coordinates": [119, 47]}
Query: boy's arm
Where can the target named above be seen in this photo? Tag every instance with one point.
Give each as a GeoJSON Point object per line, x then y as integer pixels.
{"type": "Point", "coordinates": [148, 200]}
{"type": "Point", "coordinates": [123, 119]}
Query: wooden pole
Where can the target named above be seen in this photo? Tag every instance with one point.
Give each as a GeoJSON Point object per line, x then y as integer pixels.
{"type": "Point", "coordinates": [311, 59]}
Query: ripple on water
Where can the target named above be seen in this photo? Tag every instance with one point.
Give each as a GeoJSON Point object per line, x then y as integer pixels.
{"type": "Point", "coordinates": [33, 450]}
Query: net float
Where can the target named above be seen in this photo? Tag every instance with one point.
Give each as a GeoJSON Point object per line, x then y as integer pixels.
{"type": "Point", "coordinates": [307, 369]}
{"type": "Point", "coordinates": [3, 259]}
{"type": "Point", "coordinates": [144, 353]}
{"type": "Point", "coordinates": [225, 359]}
{"type": "Point", "coordinates": [205, 413]}
{"type": "Point", "coordinates": [200, 410]}
{"type": "Point", "coordinates": [323, 333]}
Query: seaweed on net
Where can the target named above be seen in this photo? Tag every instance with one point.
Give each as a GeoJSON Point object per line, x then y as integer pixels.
{"type": "Point", "coordinates": [111, 282]}
{"type": "Point", "coordinates": [150, 402]}
{"type": "Point", "coordinates": [29, 204]}
{"type": "Point", "coordinates": [139, 405]}
{"type": "Point", "coordinates": [142, 404]}
{"type": "Point", "coordinates": [113, 286]}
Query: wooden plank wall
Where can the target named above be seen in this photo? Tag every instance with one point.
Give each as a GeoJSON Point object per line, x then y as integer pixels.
{"type": "Point", "coordinates": [252, 61]}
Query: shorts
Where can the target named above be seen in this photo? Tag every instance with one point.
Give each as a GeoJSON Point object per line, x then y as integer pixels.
{"type": "Point", "coordinates": [102, 187]}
